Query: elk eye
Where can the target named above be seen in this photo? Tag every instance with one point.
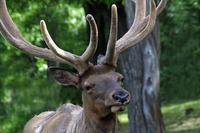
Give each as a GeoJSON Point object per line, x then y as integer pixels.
{"type": "Point", "coordinates": [120, 79]}
{"type": "Point", "coordinates": [89, 87]}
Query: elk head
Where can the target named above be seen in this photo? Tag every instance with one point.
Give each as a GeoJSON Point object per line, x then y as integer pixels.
{"type": "Point", "coordinates": [100, 84]}
{"type": "Point", "coordinates": [101, 87]}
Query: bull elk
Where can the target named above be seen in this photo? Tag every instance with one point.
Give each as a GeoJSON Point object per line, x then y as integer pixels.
{"type": "Point", "coordinates": [102, 93]}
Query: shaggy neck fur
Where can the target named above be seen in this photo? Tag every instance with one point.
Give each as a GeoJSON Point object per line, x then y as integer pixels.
{"type": "Point", "coordinates": [90, 120]}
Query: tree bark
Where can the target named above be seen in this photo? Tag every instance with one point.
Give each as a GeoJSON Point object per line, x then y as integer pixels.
{"type": "Point", "coordinates": [140, 66]}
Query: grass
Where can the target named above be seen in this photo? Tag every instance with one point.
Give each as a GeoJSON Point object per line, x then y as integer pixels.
{"type": "Point", "coordinates": [181, 117]}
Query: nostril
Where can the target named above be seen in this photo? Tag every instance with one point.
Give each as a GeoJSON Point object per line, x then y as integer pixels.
{"type": "Point", "coordinates": [116, 97]}
{"type": "Point", "coordinates": [120, 96]}
{"type": "Point", "coordinates": [126, 96]}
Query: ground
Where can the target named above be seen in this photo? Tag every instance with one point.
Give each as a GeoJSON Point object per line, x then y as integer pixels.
{"type": "Point", "coordinates": [179, 117]}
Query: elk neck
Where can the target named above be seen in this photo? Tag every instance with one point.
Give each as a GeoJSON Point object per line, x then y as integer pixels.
{"type": "Point", "coordinates": [96, 121]}
{"type": "Point", "coordinates": [98, 118]}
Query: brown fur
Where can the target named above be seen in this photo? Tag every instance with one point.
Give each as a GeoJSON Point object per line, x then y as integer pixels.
{"type": "Point", "coordinates": [96, 115]}
{"type": "Point", "coordinates": [102, 93]}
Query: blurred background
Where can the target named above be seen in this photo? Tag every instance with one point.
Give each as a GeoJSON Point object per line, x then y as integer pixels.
{"type": "Point", "coordinates": [26, 89]}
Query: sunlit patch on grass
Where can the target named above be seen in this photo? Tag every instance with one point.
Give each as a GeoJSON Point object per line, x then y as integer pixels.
{"type": "Point", "coordinates": [179, 106]}
{"type": "Point", "coordinates": [182, 117]}
{"type": "Point", "coordinates": [185, 125]}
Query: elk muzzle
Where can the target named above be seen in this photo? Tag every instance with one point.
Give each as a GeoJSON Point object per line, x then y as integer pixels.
{"type": "Point", "coordinates": [121, 97]}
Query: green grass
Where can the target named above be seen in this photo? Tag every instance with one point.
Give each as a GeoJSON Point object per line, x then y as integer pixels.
{"type": "Point", "coordinates": [175, 118]}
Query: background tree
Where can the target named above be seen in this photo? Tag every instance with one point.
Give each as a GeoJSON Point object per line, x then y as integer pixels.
{"type": "Point", "coordinates": [140, 67]}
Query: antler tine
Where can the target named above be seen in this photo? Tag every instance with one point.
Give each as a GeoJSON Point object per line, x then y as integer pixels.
{"type": "Point", "coordinates": [110, 52]}
{"type": "Point", "coordinates": [140, 17]}
{"type": "Point", "coordinates": [79, 62]}
{"type": "Point", "coordinates": [10, 32]}
{"type": "Point", "coordinates": [131, 41]}
{"type": "Point", "coordinates": [72, 59]}
{"type": "Point", "coordinates": [140, 11]}
{"type": "Point", "coordinates": [51, 44]}
{"type": "Point", "coordinates": [91, 49]}
{"type": "Point", "coordinates": [161, 6]}
{"type": "Point", "coordinates": [140, 29]}
{"type": "Point", "coordinates": [140, 14]}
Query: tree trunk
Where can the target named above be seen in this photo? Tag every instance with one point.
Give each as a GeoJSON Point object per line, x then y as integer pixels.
{"type": "Point", "coordinates": [140, 66]}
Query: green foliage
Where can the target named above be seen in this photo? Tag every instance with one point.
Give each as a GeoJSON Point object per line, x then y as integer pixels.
{"type": "Point", "coordinates": [180, 53]}
{"type": "Point", "coordinates": [107, 2]}
{"type": "Point", "coordinates": [25, 89]}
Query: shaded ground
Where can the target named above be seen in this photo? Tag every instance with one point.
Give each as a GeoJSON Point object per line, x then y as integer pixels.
{"type": "Point", "coordinates": [182, 117]}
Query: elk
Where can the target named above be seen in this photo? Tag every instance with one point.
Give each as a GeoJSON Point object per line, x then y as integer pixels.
{"type": "Point", "coordinates": [102, 93]}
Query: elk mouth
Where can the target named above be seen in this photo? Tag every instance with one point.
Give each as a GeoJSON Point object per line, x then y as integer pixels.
{"type": "Point", "coordinates": [119, 108]}
{"type": "Point", "coordinates": [117, 105]}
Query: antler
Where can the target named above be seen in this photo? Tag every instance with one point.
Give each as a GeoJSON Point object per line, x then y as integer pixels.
{"type": "Point", "coordinates": [141, 27]}
{"type": "Point", "coordinates": [110, 52]}
{"type": "Point", "coordinates": [79, 62]}
{"type": "Point", "coordinates": [10, 32]}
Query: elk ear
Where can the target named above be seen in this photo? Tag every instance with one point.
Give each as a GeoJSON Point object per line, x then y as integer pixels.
{"type": "Point", "coordinates": [63, 77]}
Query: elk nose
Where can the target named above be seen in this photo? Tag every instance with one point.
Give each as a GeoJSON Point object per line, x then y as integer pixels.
{"type": "Point", "coordinates": [121, 96]}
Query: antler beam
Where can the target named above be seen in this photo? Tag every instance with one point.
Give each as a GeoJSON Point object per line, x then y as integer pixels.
{"type": "Point", "coordinates": [143, 24]}
{"type": "Point", "coordinates": [138, 31]}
